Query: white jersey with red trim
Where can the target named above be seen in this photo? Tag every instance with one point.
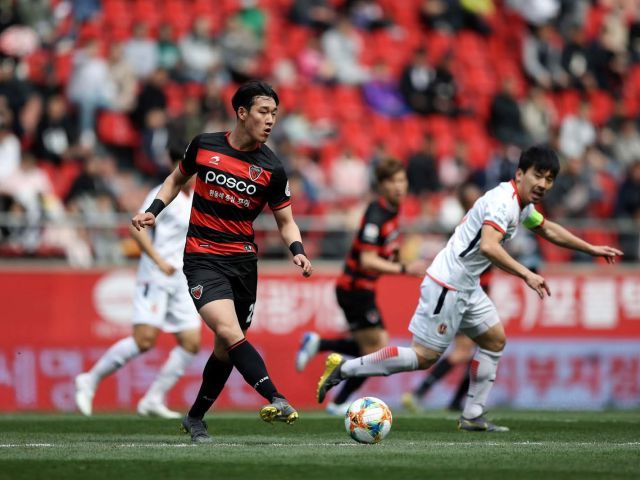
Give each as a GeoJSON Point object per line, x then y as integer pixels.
{"type": "Point", "coordinates": [459, 265]}
{"type": "Point", "coordinates": [168, 237]}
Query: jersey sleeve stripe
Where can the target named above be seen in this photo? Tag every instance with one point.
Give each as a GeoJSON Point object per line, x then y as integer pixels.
{"type": "Point", "coordinates": [494, 225]}
{"type": "Point", "coordinates": [280, 206]}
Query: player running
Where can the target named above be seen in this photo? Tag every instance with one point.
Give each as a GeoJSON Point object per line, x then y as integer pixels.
{"type": "Point", "coordinates": [236, 176]}
{"type": "Point", "coordinates": [374, 252]}
{"type": "Point", "coordinates": [161, 302]}
{"type": "Point", "coordinates": [450, 295]}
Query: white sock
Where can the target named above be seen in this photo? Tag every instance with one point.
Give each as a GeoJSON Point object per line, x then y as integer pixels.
{"type": "Point", "coordinates": [483, 373]}
{"type": "Point", "coordinates": [169, 374]}
{"type": "Point", "coordinates": [385, 361]}
{"type": "Point", "coordinates": [116, 357]}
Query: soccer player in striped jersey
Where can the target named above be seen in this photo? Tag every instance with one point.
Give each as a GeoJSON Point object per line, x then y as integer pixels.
{"type": "Point", "coordinates": [374, 252]}
{"type": "Point", "coordinates": [236, 176]}
{"type": "Point", "coordinates": [451, 298]}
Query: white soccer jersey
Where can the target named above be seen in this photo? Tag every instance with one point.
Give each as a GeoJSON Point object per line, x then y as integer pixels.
{"type": "Point", "coordinates": [459, 265]}
{"type": "Point", "coordinates": [168, 237]}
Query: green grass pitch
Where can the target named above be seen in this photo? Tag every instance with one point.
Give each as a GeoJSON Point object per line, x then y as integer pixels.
{"type": "Point", "coordinates": [541, 445]}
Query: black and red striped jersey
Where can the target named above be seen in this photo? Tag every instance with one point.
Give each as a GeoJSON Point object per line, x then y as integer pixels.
{"type": "Point", "coordinates": [232, 187]}
{"type": "Point", "coordinates": [378, 232]}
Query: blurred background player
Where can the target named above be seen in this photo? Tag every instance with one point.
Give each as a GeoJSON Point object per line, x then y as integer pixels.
{"type": "Point", "coordinates": [161, 302]}
{"type": "Point", "coordinates": [375, 251]}
{"type": "Point", "coordinates": [451, 299]}
{"type": "Point", "coordinates": [236, 176]}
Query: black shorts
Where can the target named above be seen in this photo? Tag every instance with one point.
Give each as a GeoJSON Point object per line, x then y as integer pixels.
{"type": "Point", "coordinates": [235, 281]}
{"type": "Point", "coordinates": [359, 306]}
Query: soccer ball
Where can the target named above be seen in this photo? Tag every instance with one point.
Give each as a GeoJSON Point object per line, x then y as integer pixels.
{"type": "Point", "coordinates": [368, 420]}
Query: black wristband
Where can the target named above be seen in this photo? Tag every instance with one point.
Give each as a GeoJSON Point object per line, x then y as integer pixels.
{"type": "Point", "coordinates": [296, 248]}
{"type": "Point", "coordinates": [156, 207]}
{"type": "Point", "coordinates": [403, 268]}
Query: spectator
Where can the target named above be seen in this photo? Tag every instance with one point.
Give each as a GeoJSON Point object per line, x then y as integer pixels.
{"type": "Point", "coordinates": [422, 169]}
{"type": "Point", "coordinates": [538, 116]}
{"type": "Point", "coordinates": [199, 52]}
{"type": "Point", "coordinates": [190, 122]}
{"type": "Point", "coordinates": [453, 170]}
{"type": "Point", "coordinates": [572, 191]}
{"type": "Point", "coordinates": [577, 61]}
{"type": "Point", "coordinates": [89, 70]}
{"type": "Point", "coordinates": [152, 97]}
{"type": "Point", "coordinates": [577, 132]}
{"type": "Point", "coordinates": [501, 167]}
{"type": "Point", "coordinates": [536, 12]}
{"type": "Point", "coordinates": [442, 15]}
{"type": "Point", "coordinates": [123, 78]}
{"type": "Point", "coordinates": [382, 93]}
{"type": "Point", "coordinates": [90, 184]}
{"type": "Point", "coordinates": [141, 52]}
{"type": "Point", "coordinates": [505, 120]}
{"type": "Point", "coordinates": [628, 206]}
{"type": "Point", "coordinates": [349, 178]}
{"type": "Point", "coordinates": [155, 142]}
{"type": "Point", "coordinates": [342, 45]}
{"type": "Point", "coordinates": [416, 81]}
{"type": "Point", "coordinates": [541, 57]}
{"type": "Point", "coordinates": [9, 147]}
{"type": "Point", "coordinates": [19, 96]}
{"type": "Point", "coordinates": [313, 64]}
{"type": "Point", "coordinates": [168, 51]}
{"type": "Point", "coordinates": [317, 14]}
{"type": "Point", "coordinates": [444, 88]}
{"type": "Point", "coordinates": [240, 49]}
{"type": "Point", "coordinates": [56, 136]}
{"type": "Point", "coordinates": [252, 18]}
{"type": "Point", "coordinates": [368, 15]}
{"type": "Point", "coordinates": [626, 145]}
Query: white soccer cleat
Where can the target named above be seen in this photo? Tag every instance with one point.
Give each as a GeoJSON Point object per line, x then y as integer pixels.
{"type": "Point", "coordinates": [85, 391]}
{"type": "Point", "coordinates": [149, 408]}
{"type": "Point", "coordinates": [308, 349]}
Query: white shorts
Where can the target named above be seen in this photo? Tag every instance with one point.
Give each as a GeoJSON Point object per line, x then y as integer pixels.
{"type": "Point", "coordinates": [441, 313]}
{"type": "Point", "coordinates": [169, 309]}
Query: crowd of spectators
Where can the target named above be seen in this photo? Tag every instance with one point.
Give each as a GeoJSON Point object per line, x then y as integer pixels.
{"type": "Point", "coordinates": [92, 92]}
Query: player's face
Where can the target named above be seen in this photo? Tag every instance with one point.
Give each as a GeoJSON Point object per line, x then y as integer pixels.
{"type": "Point", "coordinates": [260, 119]}
{"type": "Point", "coordinates": [394, 188]}
{"type": "Point", "coordinates": [534, 184]}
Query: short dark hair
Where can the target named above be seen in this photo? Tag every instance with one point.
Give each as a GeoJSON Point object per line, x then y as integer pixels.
{"type": "Point", "coordinates": [247, 92]}
{"type": "Point", "coordinates": [387, 168]}
{"type": "Point", "coordinates": [541, 158]}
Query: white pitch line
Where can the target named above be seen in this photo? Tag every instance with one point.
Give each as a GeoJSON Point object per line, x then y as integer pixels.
{"type": "Point", "coordinates": [328, 444]}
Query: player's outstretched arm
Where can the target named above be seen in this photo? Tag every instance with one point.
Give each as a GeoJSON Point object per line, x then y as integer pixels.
{"type": "Point", "coordinates": [169, 190]}
{"type": "Point", "coordinates": [291, 237]}
{"type": "Point", "coordinates": [143, 240]}
{"type": "Point", "coordinates": [556, 233]}
{"type": "Point", "coordinates": [491, 247]}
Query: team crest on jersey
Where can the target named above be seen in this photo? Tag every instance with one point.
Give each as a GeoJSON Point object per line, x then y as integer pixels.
{"type": "Point", "coordinates": [442, 328]}
{"type": "Point", "coordinates": [197, 292]}
{"type": "Point", "coordinates": [255, 172]}
{"type": "Point", "coordinates": [373, 316]}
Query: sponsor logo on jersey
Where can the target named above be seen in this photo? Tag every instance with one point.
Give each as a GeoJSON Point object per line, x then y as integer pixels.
{"type": "Point", "coordinates": [255, 172]}
{"type": "Point", "coordinates": [214, 160]}
{"type": "Point", "coordinates": [248, 248]}
{"type": "Point", "coordinates": [197, 292]}
{"type": "Point", "coordinates": [287, 190]}
{"type": "Point", "coordinates": [230, 182]}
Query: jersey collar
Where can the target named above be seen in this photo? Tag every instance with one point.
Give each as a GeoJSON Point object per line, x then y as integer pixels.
{"type": "Point", "coordinates": [516, 194]}
{"type": "Point", "coordinates": [227, 135]}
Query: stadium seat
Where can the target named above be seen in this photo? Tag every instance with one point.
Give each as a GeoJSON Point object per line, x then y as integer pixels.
{"type": "Point", "coordinates": [116, 129]}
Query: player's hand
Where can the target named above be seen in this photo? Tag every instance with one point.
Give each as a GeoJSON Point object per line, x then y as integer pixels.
{"type": "Point", "coordinates": [142, 220]}
{"type": "Point", "coordinates": [609, 253]}
{"type": "Point", "coordinates": [166, 268]}
{"type": "Point", "coordinates": [304, 263]}
{"type": "Point", "coordinates": [417, 268]}
{"type": "Point", "coordinates": [538, 283]}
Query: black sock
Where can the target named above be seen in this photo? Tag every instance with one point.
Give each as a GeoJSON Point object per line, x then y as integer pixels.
{"type": "Point", "coordinates": [439, 371]}
{"type": "Point", "coordinates": [350, 386]}
{"type": "Point", "coordinates": [348, 346]}
{"type": "Point", "coordinates": [250, 364]}
{"type": "Point", "coordinates": [463, 388]}
{"type": "Point", "coordinates": [214, 376]}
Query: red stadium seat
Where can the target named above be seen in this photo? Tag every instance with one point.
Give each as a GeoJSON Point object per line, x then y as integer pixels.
{"type": "Point", "coordinates": [116, 129]}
